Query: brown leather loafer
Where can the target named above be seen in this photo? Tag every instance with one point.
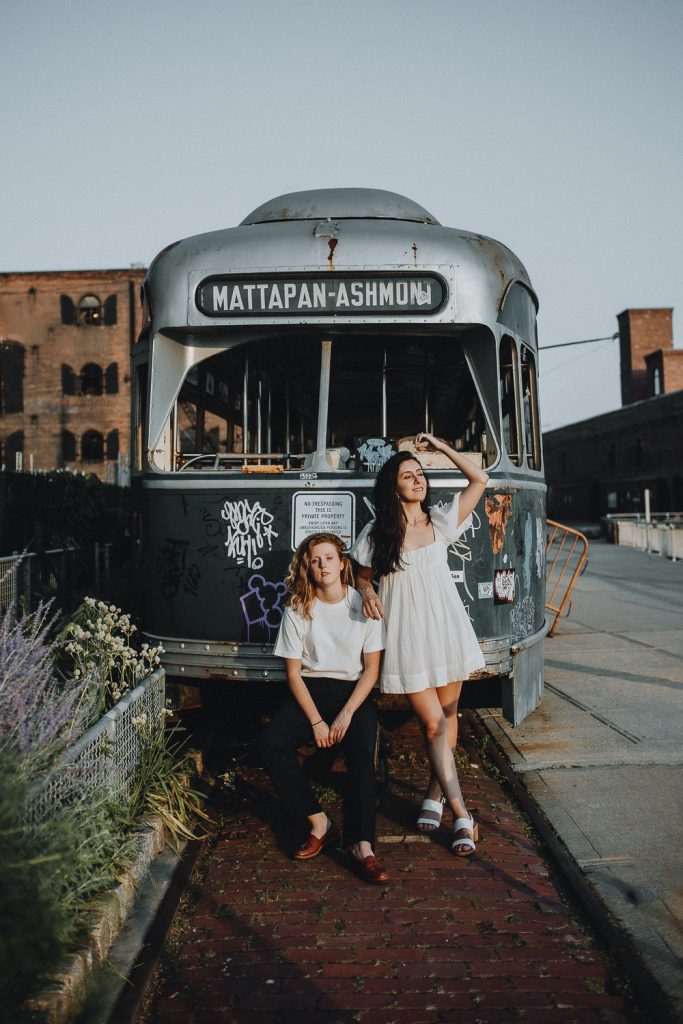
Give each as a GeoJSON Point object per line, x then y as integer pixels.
{"type": "Point", "coordinates": [369, 869]}
{"type": "Point", "coordinates": [312, 846]}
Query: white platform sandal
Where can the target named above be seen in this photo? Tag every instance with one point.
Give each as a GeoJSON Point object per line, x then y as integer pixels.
{"type": "Point", "coordinates": [465, 847]}
{"type": "Point", "coordinates": [431, 812]}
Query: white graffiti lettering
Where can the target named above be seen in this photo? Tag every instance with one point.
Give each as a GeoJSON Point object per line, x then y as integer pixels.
{"type": "Point", "coordinates": [249, 530]}
{"type": "Point", "coordinates": [540, 546]}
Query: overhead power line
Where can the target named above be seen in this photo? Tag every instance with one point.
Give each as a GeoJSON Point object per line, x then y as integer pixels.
{"type": "Point", "coordinates": [585, 341]}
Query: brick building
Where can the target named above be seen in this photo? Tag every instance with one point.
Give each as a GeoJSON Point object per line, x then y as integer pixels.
{"type": "Point", "coordinates": [65, 396]}
{"type": "Point", "coordinates": [605, 463]}
{"type": "Point", "coordinates": [650, 365]}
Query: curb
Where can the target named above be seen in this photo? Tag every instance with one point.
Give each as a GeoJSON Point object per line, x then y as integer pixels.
{"type": "Point", "coordinates": [625, 953]}
{"type": "Point", "coordinates": [63, 996]}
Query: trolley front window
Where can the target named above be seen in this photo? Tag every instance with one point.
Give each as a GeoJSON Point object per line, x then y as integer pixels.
{"type": "Point", "coordinates": [258, 403]}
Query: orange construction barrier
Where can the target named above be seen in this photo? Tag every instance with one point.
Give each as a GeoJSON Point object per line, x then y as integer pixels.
{"type": "Point", "coordinates": [566, 557]}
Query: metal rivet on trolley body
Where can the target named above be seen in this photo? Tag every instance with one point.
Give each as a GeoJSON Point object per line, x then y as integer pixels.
{"type": "Point", "coordinates": [234, 671]}
{"type": "Point", "coordinates": [235, 650]}
{"type": "Point", "coordinates": [265, 675]}
{"type": "Point", "coordinates": [182, 668]}
{"type": "Point", "coordinates": [182, 647]}
{"type": "Point", "coordinates": [207, 647]}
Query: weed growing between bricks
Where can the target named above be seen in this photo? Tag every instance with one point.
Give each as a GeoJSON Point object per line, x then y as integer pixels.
{"type": "Point", "coordinates": [492, 938]}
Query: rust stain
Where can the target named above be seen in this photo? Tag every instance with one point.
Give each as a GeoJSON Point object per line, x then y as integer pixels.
{"type": "Point", "coordinates": [414, 254]}
{"type": "Point", "coordinates": [333, 245]}
{"type": "Point", "coordinates": [498, 509]}
{"type": "Point", "coordinates": [497, 259]}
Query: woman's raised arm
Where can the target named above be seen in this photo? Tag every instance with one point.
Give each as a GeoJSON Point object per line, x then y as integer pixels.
{"type": "Point", "coordinates": [476, 478]}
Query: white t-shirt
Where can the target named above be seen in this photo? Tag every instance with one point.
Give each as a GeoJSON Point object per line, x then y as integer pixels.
{"type": "Point", "coordinates": [331, 643]}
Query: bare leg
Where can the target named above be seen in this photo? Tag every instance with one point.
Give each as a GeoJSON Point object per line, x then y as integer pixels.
{"type": "Point", "coordinates": [430, 715]}
{"type": "Point", "coordinates": [448, 698]}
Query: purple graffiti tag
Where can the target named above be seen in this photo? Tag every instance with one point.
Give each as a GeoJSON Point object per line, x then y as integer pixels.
{"type": "Point", "coordinates": [262, 608]}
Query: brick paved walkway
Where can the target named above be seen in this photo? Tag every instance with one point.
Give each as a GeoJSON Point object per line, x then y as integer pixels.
{"type": "Point", "coordinates": [261, 939]}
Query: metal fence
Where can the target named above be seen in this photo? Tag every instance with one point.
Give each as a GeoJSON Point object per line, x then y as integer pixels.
{"type": "Point", "coordinates": [9, 569]}
{"type": "Point", "coordinates": [29, 578]}
{"type": "Point", "coordinates": [107, 756]}
{"type": "Point", "coordinates": [565, 559]}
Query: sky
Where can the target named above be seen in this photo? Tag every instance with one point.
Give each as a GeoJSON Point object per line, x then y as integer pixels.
{"type": "Point", "coordinates": [551, 125]}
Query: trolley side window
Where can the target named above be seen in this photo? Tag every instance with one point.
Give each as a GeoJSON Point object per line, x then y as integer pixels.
{"type": "Point", "coordinates": [518, 312]}
{"type": "Point", "coordinates": [509, 406]}
{"type": "Point", "coordinates": [530, 407]}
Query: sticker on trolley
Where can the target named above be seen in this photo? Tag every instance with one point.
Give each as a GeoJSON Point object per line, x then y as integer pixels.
{"type": "Point", "coordinates": [323, 512]}
{"type": "Point", "coordinates": [458, 575]}
{"type": "Point", "coordinates": [373, 452]}
{"type": "Point", "coordinates": [485, 590]}
{"type": "Point", "coordinates": [504, 586]}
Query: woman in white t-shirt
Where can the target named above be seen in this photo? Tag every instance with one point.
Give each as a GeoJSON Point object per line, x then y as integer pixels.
{"type": "Point", "coordinates": [332, 654]}
{"type": "Point", "coordinates": [431, 645]}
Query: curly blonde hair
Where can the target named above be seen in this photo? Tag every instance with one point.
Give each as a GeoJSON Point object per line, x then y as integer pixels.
{"type": "Point", "coordinates": [299, 584]}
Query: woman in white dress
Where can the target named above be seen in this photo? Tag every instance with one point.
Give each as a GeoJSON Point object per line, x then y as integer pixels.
{"type": "Point", "coordinates": [431, 646]}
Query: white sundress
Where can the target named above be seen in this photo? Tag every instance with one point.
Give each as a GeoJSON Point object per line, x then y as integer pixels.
{"type": "Point", "coordinates": [429, 640]}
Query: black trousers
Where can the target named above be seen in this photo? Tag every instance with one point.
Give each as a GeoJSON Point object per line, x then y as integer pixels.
{"type": "Point", "coordinates": [290, 729]}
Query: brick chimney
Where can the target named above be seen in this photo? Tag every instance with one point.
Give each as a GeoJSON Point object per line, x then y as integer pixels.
{"type": "Point", "coordinates": [641, 331]}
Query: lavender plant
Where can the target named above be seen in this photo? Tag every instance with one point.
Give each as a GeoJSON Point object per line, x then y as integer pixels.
{"type": "Point", "coordinates": [49, 869]}
{"type": "Point", "coordinates": [55, 862]}
{"type": "Point", "coordinates": [39, 716]}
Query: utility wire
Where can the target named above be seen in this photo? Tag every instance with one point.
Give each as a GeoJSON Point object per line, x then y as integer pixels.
{"type": "Point", "coordinates": [586, 341]}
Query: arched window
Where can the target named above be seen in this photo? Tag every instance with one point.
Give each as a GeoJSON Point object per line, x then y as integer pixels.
{"type": "Point", "coordinates": [92, 446]}
{"type": "Point", "coordinates": [111, 379]}
{"type": "Point", "coordinates": [11, 377]}
{"type": "Point", "coordinates": [14, 450]}
{"type": "Point", "coordinates": [112, 445]}
{"type": "Point", "coordinates": [91, 379]}
{"type": "Point", "coordinates": [68, 380]}
{"type": "Point", "coordinates": [68, 446]}
{"type": "Point", "coordinates": [90, 311]}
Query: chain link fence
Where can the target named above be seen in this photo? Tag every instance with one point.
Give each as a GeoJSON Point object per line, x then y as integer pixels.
{"type": "Point", "coordinates": [106, 757]}
{"type": "Point", "coordinates": [60, 574]}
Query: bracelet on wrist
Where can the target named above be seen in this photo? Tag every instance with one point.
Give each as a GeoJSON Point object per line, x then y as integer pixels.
{"type": "Point", "coordinates": [313, 724]}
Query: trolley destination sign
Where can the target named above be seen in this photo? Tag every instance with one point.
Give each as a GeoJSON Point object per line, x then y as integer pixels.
{"type": "Point", "coordinates": [324, 295]}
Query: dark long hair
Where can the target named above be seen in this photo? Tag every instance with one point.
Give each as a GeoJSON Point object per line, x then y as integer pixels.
{"type": "Point", "coordinates": [389, 528]}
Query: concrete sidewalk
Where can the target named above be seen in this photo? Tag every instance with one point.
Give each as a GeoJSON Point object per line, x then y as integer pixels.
{"type": "Point", "coordinates": [601, 760]}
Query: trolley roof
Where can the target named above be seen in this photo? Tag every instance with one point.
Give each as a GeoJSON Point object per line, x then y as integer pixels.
{"type": "Point", "coordinates": [325, 231]}
{"type": "Point", "coordinates": [340, 204]}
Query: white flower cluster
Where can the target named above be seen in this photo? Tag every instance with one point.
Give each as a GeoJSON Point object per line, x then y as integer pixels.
{"type": "Point", "coordinates": [102, 650]}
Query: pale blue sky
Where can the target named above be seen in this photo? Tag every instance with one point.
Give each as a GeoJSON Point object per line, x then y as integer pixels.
{"type": "Point", "coordinates": [552, 125]}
